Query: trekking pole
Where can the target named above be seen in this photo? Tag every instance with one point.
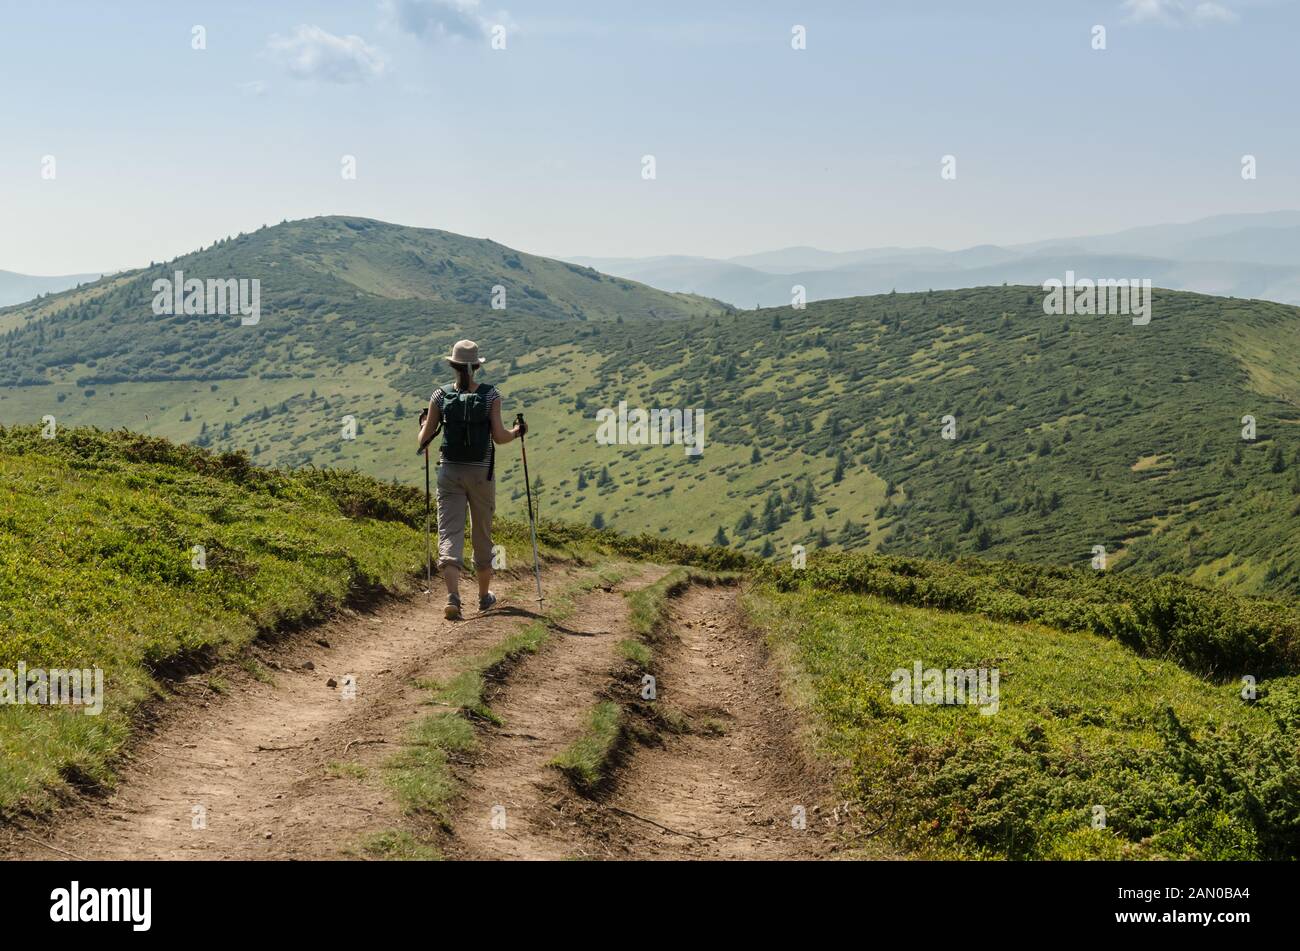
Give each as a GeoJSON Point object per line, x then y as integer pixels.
{"type": "Point", "coordinates": [428, 532]}
{"type": "Point", "coordinates": [532, 522]}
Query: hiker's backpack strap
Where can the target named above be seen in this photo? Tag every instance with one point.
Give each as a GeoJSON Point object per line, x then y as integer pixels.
{"type": "Point", "coordinates": [441, 416]}
{"type": "Point", "coordinates": [440, 398]}
{"type": "Point", "coordinates": [483, 396]}
{"type": "Point", "coordinates": [492, 446]}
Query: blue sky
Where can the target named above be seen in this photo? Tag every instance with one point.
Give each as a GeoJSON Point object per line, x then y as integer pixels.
{"type": "Point", "coordinates": [160, 148]}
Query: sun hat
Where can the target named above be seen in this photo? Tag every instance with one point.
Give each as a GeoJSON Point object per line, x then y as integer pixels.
{"type": "Point", "coordinates": [465, 351]}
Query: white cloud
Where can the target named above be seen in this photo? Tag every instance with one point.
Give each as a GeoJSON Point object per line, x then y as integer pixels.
{"type": "Point", "coordinates": [1213, 13]}
{"type": "Point", "coordinates": [440, 19]}
{"type": "Point", "coordinates": [313, 53]}
{"type": "Point", "coordinates": [1177, 12]}
{"type": "Point", "coordinates": [254, 88]}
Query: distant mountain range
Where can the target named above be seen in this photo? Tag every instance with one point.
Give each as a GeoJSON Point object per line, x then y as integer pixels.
{"type": "Point", "coordinates": [1245, 255]}
{"type": "Point", "coordinates": [16, 288]}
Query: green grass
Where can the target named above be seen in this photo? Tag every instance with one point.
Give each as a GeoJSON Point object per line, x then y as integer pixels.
{"type": "Point", "coordinates": [398, 846]}
{"type": "Point", "coordinates": [257, 671]}
{"type": "Point", "coordinates": [586, 761]}
{"type": "Point", "coordinates": [634, 651]}
{"type": "Point", "coordinates": [346, 771]}
{"type": "Point", "coordinates": [1183, 767]}
{"type": "Point", "coordinates": [421, 774]}
{"type": "Point", "coordinates": [96, 571]}
{"type": "Point", "coordinates": [464, 692]}
{"type": "Point", "coordinates": [647, 606]}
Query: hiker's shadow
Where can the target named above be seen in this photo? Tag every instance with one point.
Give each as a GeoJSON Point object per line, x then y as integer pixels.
{"type": "Point", "coordinates": [570, 632]}
{"type": "Point", "coordinates": [513, 611]}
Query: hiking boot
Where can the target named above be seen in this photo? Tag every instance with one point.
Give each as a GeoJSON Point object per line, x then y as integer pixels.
{"type": "Point", "coordinates": [452, 612]}
{"type": "Point", "coordinates": [487, 601]}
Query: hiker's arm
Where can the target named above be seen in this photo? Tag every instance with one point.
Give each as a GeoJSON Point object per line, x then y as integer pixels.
{"type": "Point", "coordinates": [501, 435]}
{"type": "Point", "coordinates": [431, 420]}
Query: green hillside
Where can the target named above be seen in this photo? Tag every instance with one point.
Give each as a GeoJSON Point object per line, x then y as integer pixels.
{"type": "Point", "coordinates": [97, 569]}
{"type": "Point", "coordinates": [824, 425]}
{"type": "Point", "coordinates": [332, 289]}
{"type": "Point", "coordinates": [1070, 434]}
{"type": "Point", "coordinates": [1120, 692]}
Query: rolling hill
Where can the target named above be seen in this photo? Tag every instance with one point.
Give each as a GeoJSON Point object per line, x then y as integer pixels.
{"type": "Point", "coordinates": [305, 266]}
{"type": "Point", "coordinates": [824, 425]}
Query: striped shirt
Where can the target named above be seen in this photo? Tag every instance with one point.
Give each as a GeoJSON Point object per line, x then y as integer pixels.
{"type": "Point", "coordinates": [493, 397]}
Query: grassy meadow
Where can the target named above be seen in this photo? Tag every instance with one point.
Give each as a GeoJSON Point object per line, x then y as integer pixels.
{"type": "Point", "coordinates": [1094, 751]}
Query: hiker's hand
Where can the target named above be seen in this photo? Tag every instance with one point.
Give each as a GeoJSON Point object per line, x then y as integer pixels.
{"type": "Point", "coordinates": [521, 429]}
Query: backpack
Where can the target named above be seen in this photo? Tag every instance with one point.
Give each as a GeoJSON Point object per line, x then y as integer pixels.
{"type": "Point", "coordinates": [466, 424]}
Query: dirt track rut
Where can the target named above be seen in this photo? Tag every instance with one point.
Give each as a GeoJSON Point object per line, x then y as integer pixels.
{"type": "Point", "coordinates": [729, 788]}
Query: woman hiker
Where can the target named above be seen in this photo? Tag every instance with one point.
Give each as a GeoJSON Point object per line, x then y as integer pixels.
{"type": "Point", "coordinates": [469, 413]}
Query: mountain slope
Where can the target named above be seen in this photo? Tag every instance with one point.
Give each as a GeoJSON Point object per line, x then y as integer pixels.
{"type": "Point", "coordinates": [1071, 433]}
{"type": "Point", "coordinates": [1279, 247]}
{"type": "Point", "coordinates": [824, 425]}
{"type": "Point", "coordinates": [311, 269]}
{"type": "Point", "coordinates": [395, 262]}
{"type": "Point", "coordinates": [354, 280]}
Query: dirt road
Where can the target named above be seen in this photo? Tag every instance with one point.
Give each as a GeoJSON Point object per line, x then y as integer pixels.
{"type": "Point", "coordinates": [282, 756]}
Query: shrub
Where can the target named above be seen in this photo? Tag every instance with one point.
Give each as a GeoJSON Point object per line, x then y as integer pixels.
{"type": "Point", "coordinates": [1210, 632]}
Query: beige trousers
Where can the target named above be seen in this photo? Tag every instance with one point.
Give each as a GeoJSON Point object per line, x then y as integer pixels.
{"type": "Point", "coordinates": [463, 489]}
